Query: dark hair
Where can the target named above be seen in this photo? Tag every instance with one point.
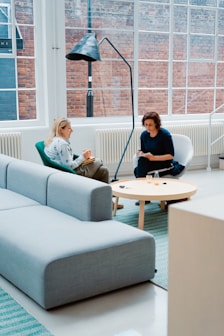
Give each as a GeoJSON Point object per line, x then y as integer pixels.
{"type": "Point", "coordinates": [154, 116]}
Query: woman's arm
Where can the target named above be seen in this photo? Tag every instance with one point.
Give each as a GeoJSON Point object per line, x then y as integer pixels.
{"type": "Point", "coordinates": [163, 157]}
{"type": "Point", "coordinates": [161, 146]}
{"type": "Point", "coordinates": [66, 156]}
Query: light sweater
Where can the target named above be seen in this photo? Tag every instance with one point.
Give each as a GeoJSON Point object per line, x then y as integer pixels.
{"type": "Point", "coordinates": [60, 151]}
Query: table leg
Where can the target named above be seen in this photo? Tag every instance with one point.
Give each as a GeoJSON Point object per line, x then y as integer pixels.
{"type": "Point", "coordinates": [141, 215]}
{"type": "Point", "coordinates": [163, 205]}
{"type": "Point", "coordinates": [115, 205]}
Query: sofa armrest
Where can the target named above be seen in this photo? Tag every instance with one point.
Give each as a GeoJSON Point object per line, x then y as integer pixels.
{"type": "Point", "coordinates": [4, 162]}
{"type": "Point", "coordinates": [80, 197]}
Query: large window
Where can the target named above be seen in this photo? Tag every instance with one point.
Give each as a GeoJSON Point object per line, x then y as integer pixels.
{"type": "Point", "coordinates": [17, 68]}
{"type": "Point", "coordinates": [175, 49]}
{"type": "Point", "coordinates": [179, 57]}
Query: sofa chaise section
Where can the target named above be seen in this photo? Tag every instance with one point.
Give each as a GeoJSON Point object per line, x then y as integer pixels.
{"type": "Point", "coordinates": [56, 259]}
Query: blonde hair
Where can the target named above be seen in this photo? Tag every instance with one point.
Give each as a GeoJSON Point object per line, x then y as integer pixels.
{"type": "Point", "coordinates": [58, 124]}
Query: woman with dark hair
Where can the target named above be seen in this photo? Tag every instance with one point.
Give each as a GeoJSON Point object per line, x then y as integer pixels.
{"type": "Point", "coordinates": [157, 150]}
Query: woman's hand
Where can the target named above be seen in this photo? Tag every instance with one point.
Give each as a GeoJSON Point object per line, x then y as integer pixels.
{"type": "Point", "coordinates": [149, 156]}
{"type": "Point", "coordinates": [86, 153]}
{"type": "Point", "coordinates": [139, 153]}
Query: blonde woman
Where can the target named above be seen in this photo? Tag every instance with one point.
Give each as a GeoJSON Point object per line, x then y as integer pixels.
{"type": "Point", "coordinates": [58, 149]}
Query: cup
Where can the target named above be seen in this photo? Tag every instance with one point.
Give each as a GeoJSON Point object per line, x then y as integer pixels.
{"type": "Point", "coordinates": [148, 178]}
{"type": "Point", "coordinates": [156, 177]}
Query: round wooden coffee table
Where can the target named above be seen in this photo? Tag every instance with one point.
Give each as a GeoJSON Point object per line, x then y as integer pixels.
{"type": "Point", "coordinates": [162, 189]}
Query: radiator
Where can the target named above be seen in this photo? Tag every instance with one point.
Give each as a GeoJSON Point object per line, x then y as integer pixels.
{"type": "Point", "coordinates": [10, 144]}
{"type": "Point", "coordinates": [110, 143]}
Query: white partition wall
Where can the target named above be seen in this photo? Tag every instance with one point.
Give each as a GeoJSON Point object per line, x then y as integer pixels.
{"type": "Point", "coordinates": [196, 268]}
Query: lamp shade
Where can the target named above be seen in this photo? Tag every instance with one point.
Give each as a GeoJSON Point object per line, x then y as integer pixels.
{"type": "Point", "coordinates": [86, 49]}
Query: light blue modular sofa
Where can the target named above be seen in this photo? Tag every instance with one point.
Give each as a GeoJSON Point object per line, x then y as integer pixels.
{"type": "Point", "coordinates": [58, 242]}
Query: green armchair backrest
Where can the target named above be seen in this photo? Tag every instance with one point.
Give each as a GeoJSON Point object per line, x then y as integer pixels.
{"type": "Point", "coordinates": [48, 162]}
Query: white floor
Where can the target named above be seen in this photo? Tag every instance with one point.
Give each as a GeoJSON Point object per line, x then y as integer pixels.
{"type": "Point", "coordinates": [137, 311]}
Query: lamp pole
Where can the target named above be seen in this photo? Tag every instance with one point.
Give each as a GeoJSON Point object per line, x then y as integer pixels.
{"type": "Point", "coordinates": [88, 49]}
{"type": "Point", "coordinates": [89, 98]}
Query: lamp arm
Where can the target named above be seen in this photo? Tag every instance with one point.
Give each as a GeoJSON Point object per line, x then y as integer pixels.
{"type": "Point", "coordinates": [132, 104]}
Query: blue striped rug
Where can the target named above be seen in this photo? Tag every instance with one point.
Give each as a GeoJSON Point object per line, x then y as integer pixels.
{"type": "Point", "coordinates": [156, 224]}
{"type": "Point", "coordinates": [15, 320]}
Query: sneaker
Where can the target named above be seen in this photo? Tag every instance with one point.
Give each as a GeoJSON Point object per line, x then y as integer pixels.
{"type": "Point", "coordinates": [175, 201]}
{"type": "Point", "coordinates": [119, 206]}
{"type": "Point", "coordinates": [138, 202]}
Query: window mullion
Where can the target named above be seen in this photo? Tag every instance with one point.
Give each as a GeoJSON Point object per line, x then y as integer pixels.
{"type": "Point", "coordinates": [170, 71]}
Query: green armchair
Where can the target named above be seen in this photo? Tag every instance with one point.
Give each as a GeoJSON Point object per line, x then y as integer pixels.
{"type": "Point", "coordinates": [48, 162]}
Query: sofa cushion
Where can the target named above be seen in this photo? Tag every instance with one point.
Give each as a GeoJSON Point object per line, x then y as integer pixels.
{"type": "Point", "coordinates": [10, 199]}
{"type": "Point", "coordinates": [57, 259]}
{"type": "Point", "coordinates": [29, 179]}
{"type": "Point", "coordinates": [4, 162]}
{"type": "Point", "coordinates": [81, 196]}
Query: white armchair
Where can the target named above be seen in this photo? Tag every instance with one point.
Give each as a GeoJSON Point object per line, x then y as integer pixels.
{"type": "Point", "coordinates": [183, 150]}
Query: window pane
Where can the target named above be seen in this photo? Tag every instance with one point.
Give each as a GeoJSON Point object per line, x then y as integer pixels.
{"type": "Point", "coordinates": [7, 69]}
{"type": "Point", "coordinates": [202, 47]}
{"type": "Point", "coordinates": [201, 75]}
{"type": "Point", "coordinates": [221, 21]}
{"type": "Point", "coordinates": [153, 100]}
{"type": "Point", "coordinates": [154, 17]}
{"type": "Point", "coordinates": [221, 48]}
{"type": "Point", "coordinates": [107, 14]}
{"type": "Point", "coordinates": [211, 3]}
{"type": "Point", "coordinates": [24, 12]}
{"type": "Point", "coordinates": [202, 21]}
{"type": "Point", "coordinates": [180, 19]}
{"type": "Point", "coordinates": [26, 73]}
{"type": "Point", "coordinates": [18, 73]}
{"type": "Point", "coordinates": [27, 104]}
{"type": "Point", "coordinates": [8, 105]}
{"type": "Point", "coordinates": [200, 100]}
{"type": "Point", "coordinates": [181, 2]}
{"type": "Point", "coordinates": [178, 101]}
{"type": "Point", "coordinates": [220, 75]}
{"type": "Point", "coordinates": [27, 36]}
{"type": "Point", "coordinates": [221, 4]}
{"type": "Point", "coordinates": [180, 47]}
{"type": "Point", "coordinates": [5, 28]}
{"type": "Point", "coordinates": [179, 74]}
{"type": "Point", "coordinates": [153, 74]}
{"type": "Point", "coordinates": [153, 46]}
{"type": "Point", "coordinates": [220, 99]}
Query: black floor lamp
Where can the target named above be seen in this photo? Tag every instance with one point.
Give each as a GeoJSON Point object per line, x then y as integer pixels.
{"type": "Point", "coordinates": [88, 49]}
